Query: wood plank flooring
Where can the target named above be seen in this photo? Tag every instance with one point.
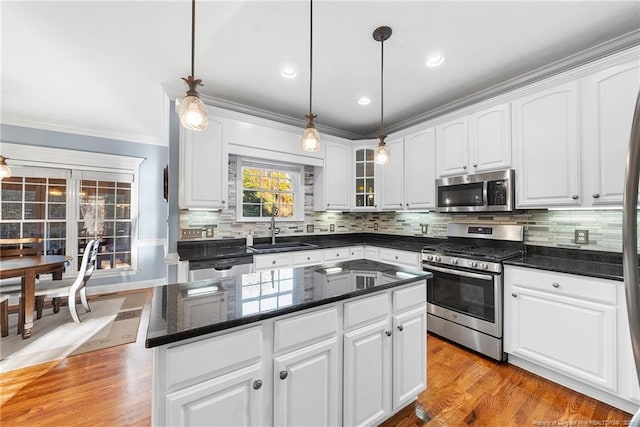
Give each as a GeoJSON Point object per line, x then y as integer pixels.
{"type": "Point", "coordinates": [112, 387]}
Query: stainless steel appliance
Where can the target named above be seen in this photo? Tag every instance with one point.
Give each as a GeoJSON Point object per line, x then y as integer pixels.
{"type": "Point", "coordinates": [464, 298]}
{"type": "Point", "coordinates": [480, 192]}
{"type": "Point", "coordinates": [630, 243]}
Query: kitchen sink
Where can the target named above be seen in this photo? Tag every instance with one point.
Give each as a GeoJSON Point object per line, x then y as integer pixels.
{"type": "Point", "coordinates": [264, 248]}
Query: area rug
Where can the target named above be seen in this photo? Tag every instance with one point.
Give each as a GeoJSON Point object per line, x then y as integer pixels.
{"type": "Point", "coordinates": [113, 320]}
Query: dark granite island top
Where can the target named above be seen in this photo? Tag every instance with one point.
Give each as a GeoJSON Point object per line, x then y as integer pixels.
{"type": "Point", "coordinates": [186, 310]}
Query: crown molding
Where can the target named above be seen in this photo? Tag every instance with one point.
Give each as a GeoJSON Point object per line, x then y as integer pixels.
{"type": "Point", "coordinates": [610, 47]}
{"type": "Point", "coordinates": [28, 122]}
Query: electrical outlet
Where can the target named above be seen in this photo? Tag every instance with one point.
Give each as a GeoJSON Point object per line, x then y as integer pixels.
{"type": "Point", "coordinates": [332, 227]}
{"type": "Point", "coordinates": [582, 237]}
{"type": "Point", "coordinates": [375, 226]}
{"type": "Point", "coordinates": [424, 228]}
{"type": "Point", "coordinates": [309, 228]}
{"type": "Point", "coordinates": [191, 233]}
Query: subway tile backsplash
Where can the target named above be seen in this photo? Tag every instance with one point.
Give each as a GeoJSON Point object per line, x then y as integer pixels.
{"type": "Point", "coordinates": [542, 228]}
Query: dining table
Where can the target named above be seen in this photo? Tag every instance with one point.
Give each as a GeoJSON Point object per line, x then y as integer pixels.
{"type": "Point", "coordinates": [28, 268]}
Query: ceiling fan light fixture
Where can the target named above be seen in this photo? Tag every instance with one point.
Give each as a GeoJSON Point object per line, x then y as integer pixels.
{"type": "Point", "coordinates": [310, 136]}
{"type": "Point", "coordinates": [382, 154]}
{"type": "Point", "coordinates": [192, 111]}
{"type": "Point", "coordinates": [5, 170]}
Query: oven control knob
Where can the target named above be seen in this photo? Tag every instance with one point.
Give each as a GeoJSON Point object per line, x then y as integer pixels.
{"type": "Point", "coordinates": [484, 266]}
{"type": "Point", "coordinates": [454, 261]}
{"type": "Point", "coordinates": [473, 264]}
{"type": "Point", "coordinates": [429, 257]}
{"type": "Point", "coordinates": [436, 258]}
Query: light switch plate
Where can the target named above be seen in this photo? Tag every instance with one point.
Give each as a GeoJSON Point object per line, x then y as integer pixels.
{"type": "Point", "coordinates": [309, 228]}
{"type": "Point", "coordinates": [424, 228]}
{"type": "Point", "coordinates": [375, 226]}
{"type": "Point", "coordinates": [582, 237]}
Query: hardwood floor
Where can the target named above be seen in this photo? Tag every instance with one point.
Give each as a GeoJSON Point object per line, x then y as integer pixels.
{"type": "Point", "coordinates": [112, 387]}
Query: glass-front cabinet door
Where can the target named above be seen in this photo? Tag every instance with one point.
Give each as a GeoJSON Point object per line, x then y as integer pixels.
{"type": "Point", "coordinates": [365, 179]}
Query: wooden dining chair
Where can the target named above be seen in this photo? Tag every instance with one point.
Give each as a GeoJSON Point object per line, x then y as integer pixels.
{"type": "Point", "coordinates": [4, 315]}
{"type": "Point", "coordinates": [26, 246]}
{"type": "Point", "coordinates": [61, 288]}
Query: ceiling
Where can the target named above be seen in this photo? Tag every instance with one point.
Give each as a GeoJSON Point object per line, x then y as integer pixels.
{"type": "Point", "coordinates": [106, 67]}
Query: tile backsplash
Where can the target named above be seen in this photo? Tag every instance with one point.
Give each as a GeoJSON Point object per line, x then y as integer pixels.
{"type": "Point", "coordinates": [542, 227]}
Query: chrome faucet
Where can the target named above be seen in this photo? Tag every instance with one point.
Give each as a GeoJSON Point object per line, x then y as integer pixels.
{"type": "Point", "coordinates": [274, 230]}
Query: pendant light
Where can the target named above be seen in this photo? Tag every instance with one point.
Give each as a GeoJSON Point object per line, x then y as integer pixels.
{"type": "Point", "coordinates": [5, 170]}
{"type": "Point", "coordinates": [382, 154]}
{"type": "Point", "coordinates": [192, 111]}
{"type": "Point", "coordinates": [310, 136]}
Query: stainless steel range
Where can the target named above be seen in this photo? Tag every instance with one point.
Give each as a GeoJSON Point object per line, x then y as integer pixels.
{"type": "Point", "coordinates": [464, 298]}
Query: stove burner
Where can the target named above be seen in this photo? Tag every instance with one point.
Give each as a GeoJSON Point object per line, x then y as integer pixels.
{"type": "Point", "coordinates": [484, 252]}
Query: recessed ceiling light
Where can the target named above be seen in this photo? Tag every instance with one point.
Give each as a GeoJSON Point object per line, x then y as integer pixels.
{"type": "Point", "coordinates": [364, 100]}
{"type": "Point", "coordinates": [434, 60]}
{"type": "Point", "coordinates": [288, 72]}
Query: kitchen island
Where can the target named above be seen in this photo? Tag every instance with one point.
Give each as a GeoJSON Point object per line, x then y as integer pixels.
{"type": "Point", "coordinates": [334, 344]}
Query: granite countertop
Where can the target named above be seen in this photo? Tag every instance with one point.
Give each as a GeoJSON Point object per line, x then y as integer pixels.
{"type": "Point", "coordinates": [186, 310]}
{"type": "Point", "coordinates": [603, 265]}
{"type": "Point", "coordinates": [232, 248]}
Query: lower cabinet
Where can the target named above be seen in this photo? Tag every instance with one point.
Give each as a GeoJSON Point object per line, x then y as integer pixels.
{"type": "Point", "coordinates": [409, 355]}
{"type": "Point", "coordinates": [234, 399]}
{"type": "Point", "coordinates": [306, 388]}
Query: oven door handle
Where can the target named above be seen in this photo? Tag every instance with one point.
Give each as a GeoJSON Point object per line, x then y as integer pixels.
{"type": "Point", "coordinates": [458, 272]}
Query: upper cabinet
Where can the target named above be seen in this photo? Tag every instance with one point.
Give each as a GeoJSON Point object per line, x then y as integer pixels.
{"type": "Point", "coordinates": [203, 168]}
{"type": "Point", "coordinates": [546, 148]}
{"type": "Point", "coordinates": [331, 189]}
{"type": "Point", "coordinates": [366, 177]}
{"type": "Point", "coordinates": [420, 170]}
{"type": "Point", "coordinates": [475, 143]}
{"type": "Point", "coordinates": [608, 102]}
{"type": "Point", "coordinates": [393, 178]}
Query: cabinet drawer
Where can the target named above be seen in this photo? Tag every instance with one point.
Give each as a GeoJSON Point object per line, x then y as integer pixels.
{"type": "Point", "coordinates": [308, 258]}
{"type": "Point", "coordinates": [582, 287]}
{"type": "Point", "coordinates": [366, 310]}
{"type": "Point", "coordinates": [392, 256]}
{"type": "Point", "coordinates": [409, 297]}
{"type": "Point", "coordinates": [337, 254]}
{"type": "Point", "coordinates": [304, 329]}
{"type": "Point", "coordinates": [371, 253]}
{"type": "Point", "coordinates": [265, 262]}
{"type": "Point", "coordinates": [356, 252]}
{"type": "Point", "coordinates": [209, 357]}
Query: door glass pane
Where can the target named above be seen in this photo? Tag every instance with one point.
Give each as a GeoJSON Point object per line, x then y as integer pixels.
{"type": "Point", "coordinates": [359, 155]}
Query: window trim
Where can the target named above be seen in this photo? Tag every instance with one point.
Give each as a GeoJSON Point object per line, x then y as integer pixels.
{"type": "Point", "coordinates": [298, 204]}
{"type": "Point", "coordinates": [61, 158]}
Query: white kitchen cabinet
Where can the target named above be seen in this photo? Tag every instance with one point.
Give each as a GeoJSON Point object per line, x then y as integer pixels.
{"type": "Point", "coordinates": [306, 388]}
{"type": "Point", "coordinates": [546, 148]}
{"type": "Point", "coordinates": [452, 147]}
{"type": "Point", "coordinates": [272, 261]}
{"type": "Point", "coordinates": [337, 254]}
{"type": "Point", "coordinates": [392, 195]}
{"type": "Point", "coordinates": [397, 257]}
{"type": "Point", "coordinates": [306, 258]}
{"type": "Point", "coordinates": [420, 170]}
{"type": "Point", "coordinates": [563, 322]}
{"type": "Point", "coordinates": [367, 380]}
{"type": "Point", "coordinates": [356, 252]}
{"type": "Point", "coordinates": [231, 399]}
{"type": "Point", "coordinates": [332, 188]}
{"type": "Point", "coordinates": [366, 178]}
{"type": "Point", "coordinates": [409, 355]}
{"type": "Point", "coordinates": [608, 101]}
{"type": "Point", "coordinates": [203, 168]}
{"type": "Point", "coordinates": [371, 253]}
{"type": "Point", "coordinates": [490, 139]}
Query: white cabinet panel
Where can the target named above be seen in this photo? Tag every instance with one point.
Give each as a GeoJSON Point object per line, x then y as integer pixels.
{"type": "Point", "coordinates": [409, 355]}
{"type": "Point", "coordinates": [203, 168]}
{"type": "Point", "coordinates": [332, 183]}
{"type": "Point", "coordinates": [393, 184]}
{"type": "Point", "coordinates": [366, 178]}
{"type": "Point", "coordinates": [452, 147]}
{"type": "Point", "coordinates": [305, 258]}
{"type": "Point", "coordinates": [402, 258]}
{"type": "Point", "coordinates": [271, 261]}
{"type": "Point", "coordinates": [546, 145]}
{"type": "Point", "coordinates": [306, 389]}
{"type": "Point", "coordinates": [420, 170]}
{"type": "Point", "coordinates": [490, 139]}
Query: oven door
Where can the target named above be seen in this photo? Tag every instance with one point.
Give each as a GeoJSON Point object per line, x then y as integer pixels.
{"type": "Point", "coordinates": [467, 298]}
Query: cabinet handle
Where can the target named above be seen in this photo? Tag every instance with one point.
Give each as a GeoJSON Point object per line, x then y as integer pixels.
{"type": "Point", "coordinates": [257, 384]}
{"type": "Point", "coordinates": [475, 165]}
{"type": "Point", "coordinates": [574, 197]}
{"type": "Point", "coordinates": [283, 375]}
{"type": "Point", "coordinates": [308, 258]}
{"type": "Point", "coordinates": [273, 262]}
{"type": "Point", "coordinates": [513, 294]}
{"type": "Point", "coordinates": [328, 205]}
{"type": "Point", "coordinates": [596, 195]}
{"type": "Point", "coordinates": [464, 166]}
{"type": "Point", "coordinates": [224, 201]}
{"type": "Point", "coordinates": [556, 285]}
{"type": "Point", "coordinates": [396, 256]}
{"type": "Point", "coordinates": [400, 328]}
{"type": "Point", "coordinates": [407, 204]}
{"type": "Point", "coordinates": [388, 333]}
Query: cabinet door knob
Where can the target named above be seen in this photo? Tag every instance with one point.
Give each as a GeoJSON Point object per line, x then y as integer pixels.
{"type": "Point", "coordinates": [556, 285]}
{"type": "Point", "coordinates": [283, 375]}
{"type": "Point", "coordinates": [388, 333]}
{"type": "Point", "coordinates": [400, 328]}
{"type": "Point", "coordinates": [574, 197]}
{"type": "Point", "coordinates": [328, 205]}
{"type": "Point", "coordinates": [308, 258]}
{"type": "Point", "coordinates": [407, 204]}
{"type": "Point", "coordinates": [396, 256]}
{"type": "Point", "coordinates": [257, 384]}
{"type": "Point", "coordinates": [475, 165]}
{"type": "Point", "coordinates": [464, 166]}
{"type": "Point", "coordinates": [273, 262]}
{"type": "Point", "coordinates": [596, 195]}
{"type": "Point", "coordinates": [513, 294]}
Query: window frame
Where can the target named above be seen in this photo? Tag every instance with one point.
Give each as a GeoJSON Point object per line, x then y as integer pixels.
{"type": "Point", "coordinates": [80, 162]}
{"type": "Point", "coordinates": [298, 191]}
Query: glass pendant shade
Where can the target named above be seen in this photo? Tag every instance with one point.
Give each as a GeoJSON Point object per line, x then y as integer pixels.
{"type": "Point", "coordinates": [5, 170]}
{"type": "Point", "coordinates": [310, 136]}
{"type": "Point", "coordinates": [193, 113]}
{"type": "Point", "coordinates": [382, 155]}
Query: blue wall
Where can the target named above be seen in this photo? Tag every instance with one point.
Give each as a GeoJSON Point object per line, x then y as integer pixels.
{"type": "Point", "coordinates": [152, 208]}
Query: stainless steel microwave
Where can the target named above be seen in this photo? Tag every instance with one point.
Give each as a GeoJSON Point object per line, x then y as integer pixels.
{"type": "Point", "coordinates": [480, 192]}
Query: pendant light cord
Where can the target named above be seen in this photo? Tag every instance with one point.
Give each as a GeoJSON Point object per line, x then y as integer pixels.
{"type": "Point", "coordinates": [193, 35]}
{"type": "Point", "coordinates": [381, 86]}
{"type": "Point", "coordinates": [310, 54]}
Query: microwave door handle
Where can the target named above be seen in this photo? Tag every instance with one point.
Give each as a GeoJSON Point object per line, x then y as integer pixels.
{"type": "Point", "coordinates": [458, 272]}
{"type": "Point", "coordinates": [485, 193]}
